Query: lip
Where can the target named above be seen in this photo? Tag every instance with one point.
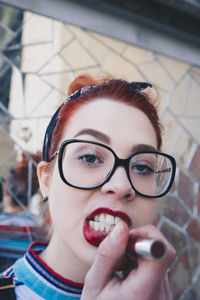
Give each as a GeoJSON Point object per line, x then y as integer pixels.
{"type": "Point", "coordinates": [96, 237]}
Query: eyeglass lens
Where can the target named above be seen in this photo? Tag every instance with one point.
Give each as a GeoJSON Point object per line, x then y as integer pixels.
{"type": "Point", "coordinates": [87, 165]}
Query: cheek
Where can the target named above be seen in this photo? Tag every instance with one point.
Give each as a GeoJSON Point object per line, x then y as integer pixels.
{"type": "Point", "coordinates": [62, 203]}
{"type": "Point", "coordinates": [59, 200]}
{"type": "Point", "coordinates": [66, 205]}
{"type": "Point", "coordinates": [145, 212]}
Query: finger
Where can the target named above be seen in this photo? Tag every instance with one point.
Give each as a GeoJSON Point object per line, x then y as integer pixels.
{"type": "Point", "coordinates": [109, 253]}
{"type": "Point", "coordinates": [148, 269]}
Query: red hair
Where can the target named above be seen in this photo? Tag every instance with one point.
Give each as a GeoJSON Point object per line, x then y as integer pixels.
{"type": "Point", "coordinates": [115, 89]}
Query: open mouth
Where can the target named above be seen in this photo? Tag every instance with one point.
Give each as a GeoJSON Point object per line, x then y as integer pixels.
{"type": "Point", "coordinates": [104, 222]}
{"type": "Point", "coordinates": [100, 223]}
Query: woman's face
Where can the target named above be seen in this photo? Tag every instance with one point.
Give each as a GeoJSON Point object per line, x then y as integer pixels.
{"type": "Point", "coordinates": [123, 128]}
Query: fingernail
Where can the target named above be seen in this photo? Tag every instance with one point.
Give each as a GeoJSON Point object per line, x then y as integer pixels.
{"type": "Point", "coordinates": [117, 232]}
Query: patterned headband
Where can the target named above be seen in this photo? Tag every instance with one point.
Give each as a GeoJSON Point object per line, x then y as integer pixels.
{"type": "Point", "coordinates": [138, 86]}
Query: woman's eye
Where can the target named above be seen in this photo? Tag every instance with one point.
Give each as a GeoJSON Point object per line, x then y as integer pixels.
{"type": "Point", "coordinates": [143, 169]}
{"type": "Point", "coordinates": [89, 158]}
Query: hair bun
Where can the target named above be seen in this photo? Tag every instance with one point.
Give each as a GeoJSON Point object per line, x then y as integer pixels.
{"type": "Point", "coordinates": [80, 82]}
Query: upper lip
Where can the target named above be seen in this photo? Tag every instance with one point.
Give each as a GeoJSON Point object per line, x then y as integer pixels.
{"type": "Point", "coordinates": [117, 213]}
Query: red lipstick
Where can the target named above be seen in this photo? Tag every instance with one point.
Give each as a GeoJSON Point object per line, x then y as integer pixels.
{"type": "Point", "coordinates": [96, 237]}
{"type": "Point", "coordinates": [147, 248]}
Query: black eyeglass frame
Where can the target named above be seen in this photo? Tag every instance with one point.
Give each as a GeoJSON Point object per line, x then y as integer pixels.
{"type": "Point", "coordinates": [118, 162]}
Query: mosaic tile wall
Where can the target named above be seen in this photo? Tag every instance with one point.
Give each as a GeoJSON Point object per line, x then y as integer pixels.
{"type": "Point", "coordinates": [43, 62]}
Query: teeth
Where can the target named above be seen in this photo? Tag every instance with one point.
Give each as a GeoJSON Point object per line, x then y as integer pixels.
{"type": "Point", "coordinates": [117, 220]}
{"type": "Point", "coordinates": [108, 227]}
{"type": "Point", "coordinates": [96, 218]}
{"type": "Point", "coordinates": [96, 226]}
{"type": "Point", "coordinates": [91, 223]}
{"type": "Point", "coordinates": [104, 222]}
{"type": "Point", "coordinates": [102, 226]}
{"type": "Point", "coordinates": [102, 218]}
{"type": "Point", "coordinates": [112, 227]}
{"type": "Point", "coordinates": [110, 220]}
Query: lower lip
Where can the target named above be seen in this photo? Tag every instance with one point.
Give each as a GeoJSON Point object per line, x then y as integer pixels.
{"type": "Point", "coordinates": [93, 237]}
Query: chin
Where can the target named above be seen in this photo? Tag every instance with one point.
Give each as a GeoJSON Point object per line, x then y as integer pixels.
{"type": "Point", "coordinates": [88, 254]}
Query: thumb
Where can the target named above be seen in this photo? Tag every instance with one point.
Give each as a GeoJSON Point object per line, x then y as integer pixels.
{"type": "Point", "coordinates": [109, 253]}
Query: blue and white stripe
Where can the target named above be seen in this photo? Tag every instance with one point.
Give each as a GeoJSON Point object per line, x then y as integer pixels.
{"type": "Point", "coordinates": [31, 273]}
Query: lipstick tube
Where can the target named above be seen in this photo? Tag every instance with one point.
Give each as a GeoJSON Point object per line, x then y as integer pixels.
{"type": "Point", "coordinates": [147, 248]}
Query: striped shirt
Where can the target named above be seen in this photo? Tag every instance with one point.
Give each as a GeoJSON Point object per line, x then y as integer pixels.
{"type": "Point", "coordinates": [36, 281]}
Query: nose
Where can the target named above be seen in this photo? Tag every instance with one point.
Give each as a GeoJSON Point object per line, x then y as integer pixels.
{"type": "Point", "coordinates": [119, 186]}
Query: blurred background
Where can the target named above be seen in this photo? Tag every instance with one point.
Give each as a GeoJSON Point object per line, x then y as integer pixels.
{"type": "Point", "coordinates": [43, 46]}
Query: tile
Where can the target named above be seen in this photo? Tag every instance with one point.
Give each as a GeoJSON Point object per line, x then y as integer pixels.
{"type": "Point", "coordinates": [138, 55]}
{"type": "Point", "coordinates": [194, 229]}
{"type": "Point", "coordinates": [48, 105]}
{"type": "Point", "coordinates": [183, 148]}
{"type": "Point", "coordinates": [32, 32]}
{"type": "Point", "coordinates": [176, 68]}
{"type": "Point", "coordinates": [198, 202]}
{"type": "Point", "coordinates": [59, 81]}
{"type": "Point", "coordinates": [96, 72]}
{"type": "Point", "coordinates": [16, 104]}
{"type": "Point", "coordinates": [172, 209]}
{"type": "Point", "coordinates": [193, 292]}
{"type": "Point", "coordinates": [196, 72]}
{"type": "Point", "coordinates": [194, 254]}
{"type": "Point", "coordinates": [157, 75]}
{"type": "Point", "coordinates": [186, 189]}
{"type": "Point", "coordinates": [163, 102]}
{"type": "Point", "coordinates": [24, 132]}
{"type": "Point", "coordinates": [195, 164]}
{"type": "Point", "coordinates": [117, 66]}
{"type": "Point", "coordinates": [33, 100]}
{"type": "Point", "coordinates": [193, 99]}
{"type": "Point", "coordinates": [178, 96]}
{"type": "Point", "coordinates": [34, 57]}
{"type": "Point", "coordinates": [175, 236]}
{"type": "Point", "coordinates": [93, 45]}
{"type": "Point", "coordinates": [179, 277]}
{"type": "Point", "coordinates": [110, 43]}
{"type": "Point", "coordinates": [72, 57]}
{"type": "Point", "coordinates": [170, 132]}
{"type": "Point", "coordinates": [60, 36]}
{"type": "Point", "coordinates": [191, 124]}
{"type": "Point", "coordinates": [55, 65]}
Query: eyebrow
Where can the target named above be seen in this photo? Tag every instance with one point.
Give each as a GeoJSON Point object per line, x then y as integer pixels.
{"type": "Point", "coordinates": [104, 138]}
{"type": "Point", "coordinates": [94, 133]}
{"type": "Point", "coordinates": [143, 147]}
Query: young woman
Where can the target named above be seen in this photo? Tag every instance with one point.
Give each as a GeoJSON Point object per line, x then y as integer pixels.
{"type": "Point", "coordinates": [102, 174]}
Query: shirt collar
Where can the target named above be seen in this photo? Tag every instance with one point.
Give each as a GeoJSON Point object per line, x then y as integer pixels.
{"type": "Point", "coordinates": [40, 278]}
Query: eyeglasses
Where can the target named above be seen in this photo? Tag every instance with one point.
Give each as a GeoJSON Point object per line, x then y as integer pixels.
{"type": "Point", "coordinates": [89, 165]}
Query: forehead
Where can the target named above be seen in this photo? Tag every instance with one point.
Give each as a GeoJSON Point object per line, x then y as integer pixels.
{"type": "Point", "coordinates": [122, 123]}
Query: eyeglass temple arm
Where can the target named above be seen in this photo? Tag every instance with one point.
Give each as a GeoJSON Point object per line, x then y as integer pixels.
{"type": "Point", "coordinates": [164, 170]}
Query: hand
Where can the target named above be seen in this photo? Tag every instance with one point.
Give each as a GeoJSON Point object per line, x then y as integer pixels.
{"type": "Point", "coordinates": [148, 281]}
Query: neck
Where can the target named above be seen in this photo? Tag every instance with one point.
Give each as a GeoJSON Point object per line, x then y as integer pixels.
{"type": "Point", "coordinates": [63, 262]}
{"type": "Point", "coordinates": [12, 209]}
